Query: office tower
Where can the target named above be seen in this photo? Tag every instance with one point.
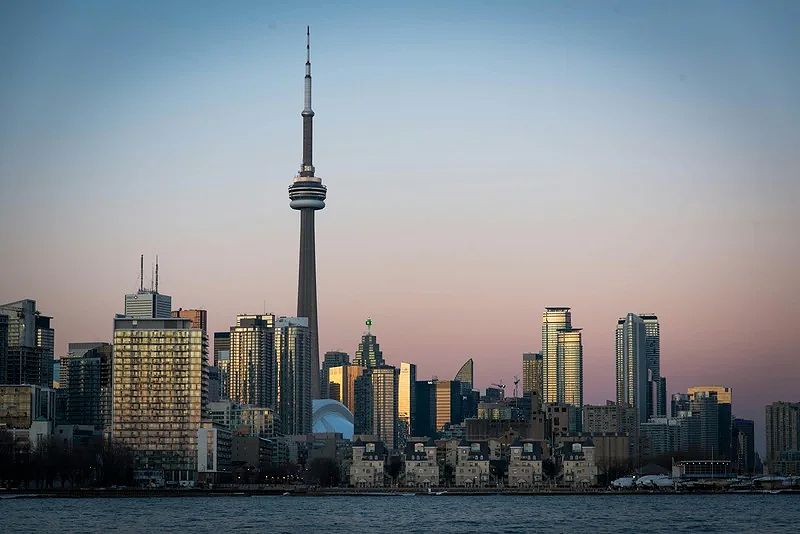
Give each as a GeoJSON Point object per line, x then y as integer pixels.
{"type": "Point", "coordinates": [679, 403]}
{"type": "Point", "coordinates": [363, 399]}
{"type": "Point", "coordinates": [782, 427]}
{"type": "Point", "coordinates": [424, 408]}
{"type": "Point", "coordinates": [293, 346]}
{"type": "Point", "coordinates": [657, 403]}
{"type": "Point", "coordinates": [562, 356]}
{"type": "Point", "coordinates": [743, 445]}
{"type": "Point", "coordinates": [332, 358]}
{"type": "Point", "coordinates": [368, 353]}
{"type": "Point", "coordinates": [447, 403]}
{"type": "Point", "coordinates": [632, 365]}
{"type": "Point", "coordinates": [466, 376]}
{"type": "Point", "coordinates": [222, 360]}
{"type": "Point", "coordinates": [532, 372]}
{"type": "Point", "coordinates": [159, 393]}
{"type": "Point", "coordinates": [199, 318]}
{"type": "Point", "coordinates": [29, 350]}
{"type": "Point", "coordinates": [705, 408]}
{"type": "Point", "coordinates": [3, 348]}
{"type": "Point", "coordinates": [406, 391]}
{"type": "Point", "coordinates": [384, 382]}
{"type": "Point", "coordinates": [724, 400]}
{"type": "Point", "coordinates": [252, 367]}
{"type": "Point", "coordinates": [342, 384]}
{"type": "Point", "coordinates": [307, 194]}
{"type": "Point", "coordinates": [85, 382]}
{"type": "Point", "coordinates": [147, 303]}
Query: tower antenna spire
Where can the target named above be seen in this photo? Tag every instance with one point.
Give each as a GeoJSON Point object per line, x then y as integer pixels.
{"type": "Point", "coordinates": [141, 273]}
{"type": "Point", "coordinates": [307, 168]}
{"type": "Point", "coordinates": [156, 273]}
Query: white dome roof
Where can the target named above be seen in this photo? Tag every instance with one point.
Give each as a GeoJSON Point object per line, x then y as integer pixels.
{"type": "Point", "coordinates": [329, 415]}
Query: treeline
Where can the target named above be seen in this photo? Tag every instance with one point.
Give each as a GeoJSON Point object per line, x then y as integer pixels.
{"type": "Point", "coordinates": [55, 465]}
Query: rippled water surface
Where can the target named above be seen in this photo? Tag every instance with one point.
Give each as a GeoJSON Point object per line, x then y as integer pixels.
{"type": "Point", "coordinates": [563, 513]}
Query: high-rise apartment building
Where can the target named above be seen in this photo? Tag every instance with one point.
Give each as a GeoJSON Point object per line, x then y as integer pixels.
{"type": "Point", "coordinates": [293, 355]}
{"type": "Point", "coordinates": [85, 383]}
{"type": "Point", "coordinates": [724, 401]}
{"type": "Point", "coordinates": [743, 452]}
{"type": "Point", "coordinates": [3, 348]}
{"type": "Point", "coordinates": [342, 384]}
{"type": "Point", "coordinates": [252, 370]}
{"type": "Point", "coordinates": [632, 365]}
{"type": "Point", "coordinates": [368, 353]}
{"type": "Point", "coordinates": [679, 403]}
{"type": "Point", "coordinates": [706, 409]}
{"type": "Point", "coordinates": [406, 400]}
{"type": "Point", "coordinates": [657, 403]}
{"type": "Point", "coordinates": [562, 355]}
{"type": "Point", "coordinates": [29, 345]}
{"type": "Point", "coordinates": [384, 382]}
{"type": "Point", "coordinates": [333, 358]}
{"type": "Point", "coordinates": [159, 393]}
{"type": "Point", "coordinates": [199, 318]}
{"type": "Point", "coordinates": [782, 428]}
{"type": "Point", "coordinates": [222, 361]}
{"type": "Point", "coordinates": [532, 372]}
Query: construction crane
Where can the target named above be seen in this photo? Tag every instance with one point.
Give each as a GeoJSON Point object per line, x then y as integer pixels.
{"type": "Point", "coordinates": [516, 383]}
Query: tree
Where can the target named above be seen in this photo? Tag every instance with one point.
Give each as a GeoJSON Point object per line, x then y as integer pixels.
{"type": "Point", "coordinates": [323, 471]}
{"type": "Point", "coordinates": [394, 467]}
{"type": "Point", "coordinates": [549, 469]}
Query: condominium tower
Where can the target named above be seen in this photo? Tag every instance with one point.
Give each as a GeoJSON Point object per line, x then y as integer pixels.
{"type": "Point", "coordinates": [252, 365]}
{"type": "Point", "coordinates": [295, 365]}
{"type": "Point", "coordinates": [562, 355]}
{"type": "Point", "coordinates": [632, 365]}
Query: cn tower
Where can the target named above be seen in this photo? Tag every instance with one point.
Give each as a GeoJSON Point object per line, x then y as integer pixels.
{"type": "Point", "coordinates": [307, 194]}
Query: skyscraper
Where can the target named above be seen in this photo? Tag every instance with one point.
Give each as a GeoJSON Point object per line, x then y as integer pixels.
{"type": "Point", "coordinates": [782, 429]}
{"type": "Point", "coordinates": [466, 375]}
{"type": "Point", "coordinates": [368, 353]}
{"type": "Point", "coordinates": [85, 381]}
{"type": "Point", "coordinates": [293, 341]}
{"type": "Point", "coordinates": [147, 303]}
{"type": "Point", "coordinates": [341, 382]}
{"type": "Point", "coordinates": [724, 424]}
{"type": "Point", "coordinates": [657, 399]}
{"type": "Point", "coordinates": [632, 365]}
{"type": "Point", "coordinates": [743, 443]}
{"type": "Point", "coordinates": [3, 348]}
{"type": "Point", "coordinates": [29, 345]}
{"type": "Point", "coordinates": [562, 357]}
{"type": "Point", "coordinates": [307, 194]}
{"type": "Point", "coordinates": [159, 393]}
{"type": "Point", "coordinates": [332, 358]}
{"type": "Point", "coordinates": [384, 380]}
{"type": "Point", "coordinates": [199, 318]}
{"type": "Point", "coordinates": [532, 369]}
{"type": "Point", "coordinates": [406, 397]}
{"type": "Point", "coordinates": [252, 368]}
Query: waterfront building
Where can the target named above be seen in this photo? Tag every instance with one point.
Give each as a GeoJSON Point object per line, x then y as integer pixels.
{"type": "Point", "coordinates": [420, 465]}
{"type": "Point", "coordinates": [782, 427]}
{"type": "Point", "coordinates": [252, 377]}
{"type": "Point", "coordinates": [368, 353]}
{"type": "Point", "coordinates": [406, 399]}
{"type": "Point", "coordinates": [213, 453]}
{"type": "Point", "coordinates": [532, 372]}
{"type": "Point", "coordinates": [147, 303]}
{"type": "Point", "coordinates": [743, 445]}
{"type": "Point", "coordinates": [159, 393]}
{"type": "Point", "coordinates": [29, 342]}
{"type": "Point", "coordinates": [307, 194]}
{"type": "Point", "coordinates": [295, 368]}
{"type": "Point", "coordinates": [368, 467]}
{"type": "Point", "coordinates": [333, 358]}
{"type": "Point", "coordinates": [466, 376]}
{"type": "Point", "coordinates": [85, 384]}
{"type": "Point", "coordinates": [562, 356]}
{"type": "Point", "coordinates": [578, 464]}
{"type": "Point", "coordinates": [342, 384]}
{"type": "Point", "coordinates": [632, 365]}
{"type": "Point", "coordinates": [472, 464]}
{"type": "Point", "coordinates": [724, 400]}
{"type": "Point", "coordinates": [525, 464]}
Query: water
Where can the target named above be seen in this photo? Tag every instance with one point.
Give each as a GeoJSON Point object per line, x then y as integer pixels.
{"type": "Point", "coordinates": [562, 513]}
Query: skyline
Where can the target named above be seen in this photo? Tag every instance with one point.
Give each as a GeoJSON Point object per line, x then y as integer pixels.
{"type": "Point", "coordinates": [393, 121]}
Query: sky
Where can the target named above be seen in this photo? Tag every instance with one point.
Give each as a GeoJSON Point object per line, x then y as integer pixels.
{"type": "Point", "coordinates": [483, 160]}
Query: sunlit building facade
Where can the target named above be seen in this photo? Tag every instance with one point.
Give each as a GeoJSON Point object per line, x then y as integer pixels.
{"type": "Point", "coordinates": [554, 320]}
{"type": "Point", "coordinates": [570, 355]}
{"type": "Point", "coordinates": [384, 382]}
{"type": "Point", "coordinates": [466, 376]}
{"type": "Point", "coordinates": [369, 352]}
{"type": "Point", "coordinates": [333, 358]}
{"type": "Point", "coordinates": [159, 393]}
{"type": "Point", "coordinates": [406, 391]}
{"type": "Point", "coordinates": [342, 384]}
{"type": "Point", "coordinates": [532, 372]}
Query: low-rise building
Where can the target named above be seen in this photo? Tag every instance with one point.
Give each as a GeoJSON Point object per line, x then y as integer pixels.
{"type": "Point", "coordinates": [472, 464]}
{"type": "Point", "coordinates": [578, 465]}
{"type": "Point", "coordinates": [421, 468]}
{"type": "Point", "coordinates": [213, 453]}
{"type": "Point", "coordinates": [368, 467]}
{"type": "Point", "coordinates": [525, 464]}
{"type": "Point", "coordinates": [702, 469]}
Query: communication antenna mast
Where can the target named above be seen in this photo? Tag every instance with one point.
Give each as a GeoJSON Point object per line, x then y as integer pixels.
{"type": "Point", "coordinates": [141, 273]}
{"type": "Point", "coordinates": [156, 273]}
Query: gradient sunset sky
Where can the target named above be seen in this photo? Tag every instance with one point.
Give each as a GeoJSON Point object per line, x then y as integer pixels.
{"type": "Point", "coordinates": [483, 160]}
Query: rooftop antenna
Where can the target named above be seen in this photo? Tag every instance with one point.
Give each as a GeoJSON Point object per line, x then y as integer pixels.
{"type": "Point", "coordinates": [156, 273]}
{"type": "Point", "coordinates": [141, 273]}
{"type": "Point", "coordinates": [152, 276]}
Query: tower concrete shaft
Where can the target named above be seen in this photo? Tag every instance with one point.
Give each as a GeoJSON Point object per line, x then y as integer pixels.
{"type": "Point", "coordinates": [307, 194]}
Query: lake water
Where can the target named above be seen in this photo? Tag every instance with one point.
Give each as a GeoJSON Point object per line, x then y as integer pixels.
{"type": "Point", "coordinates": [562, 513]}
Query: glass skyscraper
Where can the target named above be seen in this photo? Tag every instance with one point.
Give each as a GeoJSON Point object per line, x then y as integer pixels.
{"type": "Point", "coordinates": [293, 354]}
{"type": "Point", "coordinates": [252, 365]}
{"type": "Point", "coordinates": [562, 356]}
{"type": "Point", "coordinates": [632, 366]}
